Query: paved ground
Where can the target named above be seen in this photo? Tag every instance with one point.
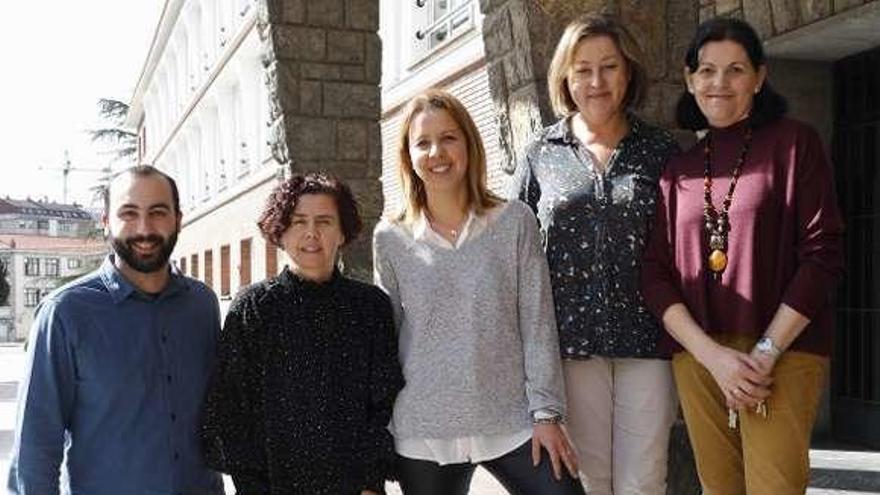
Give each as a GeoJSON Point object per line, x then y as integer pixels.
{"type": "Point", "coordinates": [836, 469]}
{"type": "Point", "coordinates": [11, 364]}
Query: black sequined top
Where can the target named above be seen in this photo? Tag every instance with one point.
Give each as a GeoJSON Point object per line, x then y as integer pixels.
{"type": "Point", "coordinates": [595, 226]}
{"type": "Point", "coordinates": [303, 389]}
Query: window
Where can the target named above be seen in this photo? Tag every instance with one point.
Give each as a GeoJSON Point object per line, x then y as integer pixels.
{"type": "Point", "coordinates": [52, 265]}
{"type": "Point", "coordinates": [224, 270]}
{"type": "Point", "coordinates": [43, 224]}
{"type": "Point", "coordinates": [182, 265]}
{"type": "Point", "coordinates": [32, 266]}
{"type": "Point", "coordinates": [271, 260]}
{"type": "Point", "coordinates": [244, 267]}
{"type": "Point", "coordinates": [194, 265]}
{"type": "Point", "coordinates": [209, 268]}
{"type": "Point", "coordinates": [440, 21]}
{"type": "Point", "coordinates": [31, 297]}
{"type": "Point", "coordinates": [73, 263]}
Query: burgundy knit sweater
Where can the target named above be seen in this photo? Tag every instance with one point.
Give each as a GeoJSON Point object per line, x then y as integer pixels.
{"type": "Point", "coordinates": [785, 240]}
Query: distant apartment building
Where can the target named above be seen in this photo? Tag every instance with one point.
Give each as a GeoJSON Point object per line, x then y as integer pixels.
{"type": "Point", "coordinates": [434, 43]}
{"type": "Point", "coordinates": [42, 246]}
{"type": "Point", "coordinates": [35, 217]}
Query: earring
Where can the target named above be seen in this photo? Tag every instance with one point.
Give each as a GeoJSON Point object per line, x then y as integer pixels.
{"type": "Point", "coordinates": [757, 89]}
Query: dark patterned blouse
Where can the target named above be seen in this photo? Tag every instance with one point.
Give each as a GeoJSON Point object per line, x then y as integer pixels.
{"type": "Point", "coordinates": [303, 389]}
{"type": "Point", "coordinates": [595, 226]}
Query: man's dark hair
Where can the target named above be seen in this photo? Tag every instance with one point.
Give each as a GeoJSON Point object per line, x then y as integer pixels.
{"type": "Point", "coordinates": [768, 104]}
{"type": "Point", "coordinates": [144, 171]}
{"type": "Point", "coordinates": [276, 216]}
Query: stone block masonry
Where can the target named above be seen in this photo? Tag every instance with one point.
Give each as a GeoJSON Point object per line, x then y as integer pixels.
{"type": "Point", "coordinates": [323, 66]}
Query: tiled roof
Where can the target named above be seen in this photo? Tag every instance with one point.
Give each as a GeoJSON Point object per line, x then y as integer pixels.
{"type": "Point", "coordinates": [42, 208]}
{"type": "Point", "coordinates": [53, 244]}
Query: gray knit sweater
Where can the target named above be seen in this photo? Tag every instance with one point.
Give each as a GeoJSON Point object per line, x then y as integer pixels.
{"type": "Point", "coordinates": [477, 335]}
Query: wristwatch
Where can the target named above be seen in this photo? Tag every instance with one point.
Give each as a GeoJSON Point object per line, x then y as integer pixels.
{"type": "Point", "coordinates": [546, 417]}
{"type": "Point", "coordinates": [767, 346]}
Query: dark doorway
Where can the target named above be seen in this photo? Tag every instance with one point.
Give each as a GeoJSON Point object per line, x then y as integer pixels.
{"type": "Point", "coordinates": [855, 405]}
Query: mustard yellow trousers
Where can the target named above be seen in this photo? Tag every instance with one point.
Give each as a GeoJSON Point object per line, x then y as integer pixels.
{"type": "Point", "coordinates": [763, 456]}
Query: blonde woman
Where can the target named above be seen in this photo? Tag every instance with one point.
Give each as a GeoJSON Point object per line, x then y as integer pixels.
{"type": "Point", "coordinates": [592, 180]}
{"type": "Point", "coordinates": [471, 295]}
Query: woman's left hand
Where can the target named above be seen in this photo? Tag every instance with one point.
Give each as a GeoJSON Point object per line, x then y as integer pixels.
{"type": "Point", "coordinates": [553, 440]}
{"type": "Point", "coordinates": [765, 362]}
{"type": "Point", "coordinates": [369, 492]}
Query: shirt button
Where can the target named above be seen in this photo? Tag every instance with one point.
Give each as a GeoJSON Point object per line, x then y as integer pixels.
{"type": "Point", "coordinates": [176, 456]}
{"type": "Point", "coordinates": [164, 339]}
{"type": "Point", "coordinates": [173, 417]}
{"type": "Point", "coordinates": [169, 378]}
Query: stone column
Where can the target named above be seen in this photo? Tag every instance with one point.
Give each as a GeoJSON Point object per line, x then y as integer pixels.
{"type": "Point", "coordinates": [519, 37]}
{"type": "Point", "coordinates": [323, 60]}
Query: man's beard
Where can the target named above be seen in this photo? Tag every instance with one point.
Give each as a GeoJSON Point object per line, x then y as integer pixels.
{"type": "Point", "coordinates": [144, 264]}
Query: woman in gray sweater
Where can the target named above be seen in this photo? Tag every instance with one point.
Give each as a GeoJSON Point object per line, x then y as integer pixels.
{"type": "Point", "coordinates": [470, 289]}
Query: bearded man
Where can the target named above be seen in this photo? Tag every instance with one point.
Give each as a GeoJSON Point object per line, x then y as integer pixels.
{"type": "Point", "coordinates": [118, 363]}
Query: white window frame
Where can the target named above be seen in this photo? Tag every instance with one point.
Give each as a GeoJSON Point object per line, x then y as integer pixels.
{"type": "Point", "coordinates": [461, 9]}
{"type": "Point", "coordinates": [32, 267]}
{"type": "Point", "coordinates": [53, 267]}
{"type": "Point", "coordinates": [31, 297]}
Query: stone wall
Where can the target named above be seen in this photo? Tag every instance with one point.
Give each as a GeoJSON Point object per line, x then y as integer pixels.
{"type": "Point", "coordinates": [774, 17]}
{"type": "Point", "coordinates": [323, 62]}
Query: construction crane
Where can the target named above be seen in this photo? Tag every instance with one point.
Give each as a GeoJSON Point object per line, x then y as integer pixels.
{"type": "Point", "coordinates": [66, 168]}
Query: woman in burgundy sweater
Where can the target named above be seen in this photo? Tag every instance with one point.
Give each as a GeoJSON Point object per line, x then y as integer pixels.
{"type": "Point", "coordinates": [743, 259]}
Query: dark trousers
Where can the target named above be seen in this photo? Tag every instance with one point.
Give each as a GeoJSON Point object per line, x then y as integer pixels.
{"type": "Point", "coordinates": [513, 470]}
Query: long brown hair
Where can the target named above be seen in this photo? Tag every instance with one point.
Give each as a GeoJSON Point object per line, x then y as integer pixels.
{"type": "Point", "coordinates": [479, 197]}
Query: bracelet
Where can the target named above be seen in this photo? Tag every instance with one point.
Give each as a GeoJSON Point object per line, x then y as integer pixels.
{"type": "Point", "coordinates": [547, 419]}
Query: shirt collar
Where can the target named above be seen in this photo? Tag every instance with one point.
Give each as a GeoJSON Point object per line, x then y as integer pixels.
{"type": "Point", "coordinates": [120, 288]}
{"type": "Point", "coordinates": [422, 229]}
{"type": "Point", "coordinates": [561, 130]}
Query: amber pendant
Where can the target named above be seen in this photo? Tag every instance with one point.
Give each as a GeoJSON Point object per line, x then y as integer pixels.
{"type": "Point", "coordinates": [717, 261]}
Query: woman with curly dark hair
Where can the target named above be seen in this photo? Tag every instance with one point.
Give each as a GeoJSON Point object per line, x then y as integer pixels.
{"type": "Point", "coordinates": [307, 368]}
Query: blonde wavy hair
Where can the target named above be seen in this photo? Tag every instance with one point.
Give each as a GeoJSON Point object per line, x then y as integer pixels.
{"type": "Point", "coordinates": [588, 26]}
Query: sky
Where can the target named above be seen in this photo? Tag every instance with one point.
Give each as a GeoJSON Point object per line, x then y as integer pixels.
{"type": "Point", "coordinates": [58, 57]}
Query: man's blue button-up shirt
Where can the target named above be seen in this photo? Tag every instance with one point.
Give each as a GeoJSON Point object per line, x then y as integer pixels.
{"type": "Point", "coordinates": [115, 383]}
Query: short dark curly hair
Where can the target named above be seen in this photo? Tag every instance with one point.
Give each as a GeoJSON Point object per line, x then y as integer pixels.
{"type": "Point", "coordinates": [276, 216]}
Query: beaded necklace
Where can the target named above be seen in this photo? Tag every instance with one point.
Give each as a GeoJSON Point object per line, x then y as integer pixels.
{"type": "Point", "coordinates": [718, 222]}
